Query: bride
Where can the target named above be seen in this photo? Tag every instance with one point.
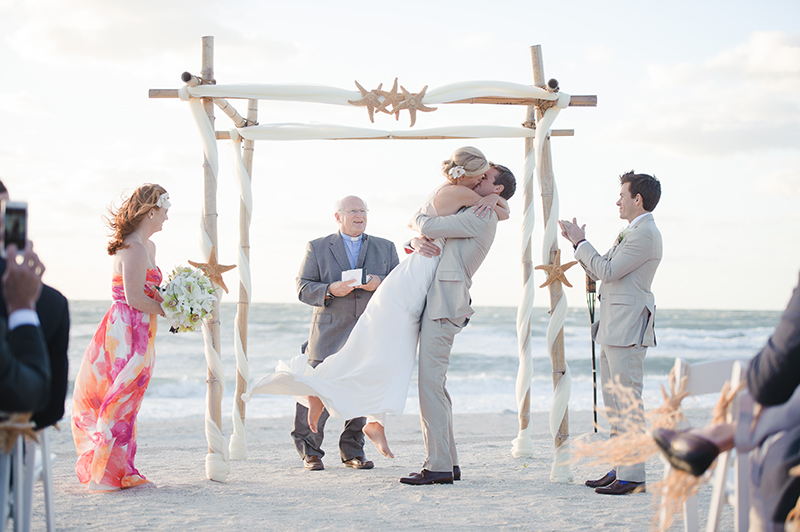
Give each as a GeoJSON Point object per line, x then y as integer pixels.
{"type": "Point", "coordinates": [369, 376]}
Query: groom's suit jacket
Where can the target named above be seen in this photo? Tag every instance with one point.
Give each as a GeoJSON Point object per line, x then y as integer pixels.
{"type": "Point", "coordinates": [626, 271]}
{"type": "Point", "coordinates": [323, 264]}
{"type": "Point", "coordinates": [24, 369]}
{"type": "Point", "coordinates": [468, 241]}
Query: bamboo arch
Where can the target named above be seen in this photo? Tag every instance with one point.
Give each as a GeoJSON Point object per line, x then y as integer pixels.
{"type": "Point", "coordinates": [543, 102]}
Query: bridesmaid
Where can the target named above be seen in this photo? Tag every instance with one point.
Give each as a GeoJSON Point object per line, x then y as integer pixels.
{"type": "Point", "coordinates": [118, 362]}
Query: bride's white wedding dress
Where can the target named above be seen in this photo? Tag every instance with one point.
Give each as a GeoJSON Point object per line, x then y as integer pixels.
{"type": "Point", "coordinates": [369, 376]}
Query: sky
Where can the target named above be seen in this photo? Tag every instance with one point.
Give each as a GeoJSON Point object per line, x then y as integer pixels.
{"type": "Point", "coordinates": [705, 95]}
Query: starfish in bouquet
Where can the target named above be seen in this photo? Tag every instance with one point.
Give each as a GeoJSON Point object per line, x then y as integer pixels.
{"type": "Point", "coordinates": [213, 269]}
{"type": "Point", "coordinates": [413, 102]}
{"type": "Point", "coordinates": [369, 99]}
{"type": "Point", "coordinates": [556, 271]}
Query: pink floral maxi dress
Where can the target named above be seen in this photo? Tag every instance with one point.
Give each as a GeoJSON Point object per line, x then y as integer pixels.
{"type": "Point", "coordinates": [114, 375]}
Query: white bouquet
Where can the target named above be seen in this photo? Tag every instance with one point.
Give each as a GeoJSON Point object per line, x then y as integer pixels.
{"type": "Point", "coordinates": [188, 299]}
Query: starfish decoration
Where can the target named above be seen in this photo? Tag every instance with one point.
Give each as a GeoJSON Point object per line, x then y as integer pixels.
{"type": "Point", "coordinates": [555, 271]}
{"type": "Point", "coordinates": [213, 269]}
{"type": "Point", "coordinates": [394, 98]}
{"type": "Point", "coordinates": [18, 424]}
{"type": "Point", "coordinates": [369, 99]}
{"type": "Point", "coordinates": [413, 102]}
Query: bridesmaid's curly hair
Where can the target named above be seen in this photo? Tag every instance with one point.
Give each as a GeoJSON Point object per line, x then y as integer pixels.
{"type": "Point", "coordinates": [126, 219]}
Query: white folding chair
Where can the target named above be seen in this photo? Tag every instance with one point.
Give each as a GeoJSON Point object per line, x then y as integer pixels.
{"type": "Point", "coordinates": [707, 378]}
{"type": "Point", "coordinates": [23, 456]}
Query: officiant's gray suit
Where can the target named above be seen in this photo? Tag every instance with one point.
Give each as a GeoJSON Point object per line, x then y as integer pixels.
{"type": "Point", "coordinates": [447, 311]}
{"type": "Point", "coordinates": [625, 327]}
{"type": "Point", "coordinates": [332, 320]}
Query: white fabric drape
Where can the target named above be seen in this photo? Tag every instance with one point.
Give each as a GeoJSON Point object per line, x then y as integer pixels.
{"type": "Point", "coordinates": [522, 444]}
{"type": "Point", "coordinates": [317, 131]}
{"type": "Point", "coordinates": [333, 95]}
{"type": "Point", "coordinates": [217, 461]}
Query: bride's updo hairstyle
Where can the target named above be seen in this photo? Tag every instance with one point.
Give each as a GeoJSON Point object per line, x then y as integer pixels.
{"type": "Point", "coordinates": [126, 219]}
{"type": "Point", "coordinates": [466, 161]}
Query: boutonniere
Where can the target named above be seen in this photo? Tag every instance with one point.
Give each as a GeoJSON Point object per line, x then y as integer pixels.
{"type": "Point", "coordinates": [623, 234]}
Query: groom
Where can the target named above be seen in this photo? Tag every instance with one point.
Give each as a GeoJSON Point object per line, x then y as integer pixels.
{"type": "Point", "coordinates": [447, 311]}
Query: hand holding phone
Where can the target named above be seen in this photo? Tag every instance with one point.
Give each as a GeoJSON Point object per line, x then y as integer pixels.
{"type": "Point", "coordinates": [15, 225]}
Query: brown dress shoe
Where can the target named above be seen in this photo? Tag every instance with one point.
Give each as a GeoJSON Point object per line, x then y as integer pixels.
{"type": "Point", "coordinates": [610, 477]}
{"type": "Point", "coordinates": [686, 451]}
{"type": "Point", "coordinates": [619, 487]}
{"type": "Point", "coordinates": [359, 463]}
{"type": "Point", "coordinates": [313, 463]}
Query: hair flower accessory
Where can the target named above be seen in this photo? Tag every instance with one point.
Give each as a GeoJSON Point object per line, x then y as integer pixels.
{"type": "Point", "coordinates": [163, 201]}
{"type": "Point", "coordinates": [456, 172]}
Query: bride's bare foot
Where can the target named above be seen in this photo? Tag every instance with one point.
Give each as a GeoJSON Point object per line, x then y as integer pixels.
{"type": "Point", "coordinates": [377, 434]}
{"type": "Point", "coordinates": [315, 407]}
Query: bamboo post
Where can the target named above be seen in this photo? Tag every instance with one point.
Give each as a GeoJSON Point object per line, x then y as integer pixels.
{"type": "Point", "coordinates": [215, 386]}
{"type": "Point", "coordinates": [239, 450]}
{"type": "Point", "coordinates": [547, 187]}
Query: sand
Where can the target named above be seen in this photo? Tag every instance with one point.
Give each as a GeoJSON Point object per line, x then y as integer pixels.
{"type": "Point", "coordinates": [272, 491]}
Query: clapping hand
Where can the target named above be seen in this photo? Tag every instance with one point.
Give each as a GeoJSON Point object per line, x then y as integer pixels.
{"type": "Point", "coordinates": [571, 231]}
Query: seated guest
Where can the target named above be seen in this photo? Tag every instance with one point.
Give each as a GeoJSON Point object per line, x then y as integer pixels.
{"type": "Point", "coordinates": [53, 312]}
{"type": "Point", "coordinates": [773, 379]}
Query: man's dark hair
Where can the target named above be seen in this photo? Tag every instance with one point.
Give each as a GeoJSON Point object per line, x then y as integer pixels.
{"type": "Point", "coordinates": [505, 178]}
{"type": "Point", "coordinates": [647, 185]}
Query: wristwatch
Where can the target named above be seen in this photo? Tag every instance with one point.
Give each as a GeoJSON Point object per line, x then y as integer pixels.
{"type": "Point", "coordinates": [328, 294]}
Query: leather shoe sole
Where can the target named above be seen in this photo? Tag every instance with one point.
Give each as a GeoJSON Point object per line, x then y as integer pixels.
{"type": "Point", "coordinates": [359, 463]}
{"type": "Point", "coordinates": [619, 488]}
{"type": "Point", "coordinates": [425, 477]}
{"type": "Point", "coordinates": [456, 473]}
{"type": "Point", "coordinates": [685, 451]}
{"type": "Point", "coordinates": [610, 477]}
{"type": "Point", "coordinates": [313, 463]}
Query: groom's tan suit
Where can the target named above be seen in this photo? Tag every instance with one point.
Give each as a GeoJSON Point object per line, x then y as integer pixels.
{"type": "Point", "coordinates": [447, 311]}
{"type": "Point", "coordinates": [624, 329]}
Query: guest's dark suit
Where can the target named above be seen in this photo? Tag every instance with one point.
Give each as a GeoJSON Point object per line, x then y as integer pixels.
{"type": "Point", "coordinates": [625, 327]}
{"type": "Point", "coordinates": [53, 312]}
{"type": "Point", "coordinates": [773, 379]}
{"type": "Point", "coordinates": [24, 369]}
{"type": "Point", "coordinates": [332, 321]}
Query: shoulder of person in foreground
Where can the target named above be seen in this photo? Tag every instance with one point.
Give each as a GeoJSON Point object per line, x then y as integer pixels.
{"type": "Point", "coordinates": [53, 310]}
{"type": "Point", "coordinates": [774, 373]}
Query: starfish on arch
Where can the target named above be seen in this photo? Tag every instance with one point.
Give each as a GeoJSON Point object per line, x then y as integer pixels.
{"type": "Point", "coordinates": [555, 271]}
{"type": "Point", "coordinates": [413, 102]}
{"type": "Point", "coordinates": [213, 269]}
{"type": "Point", "coordinates": [369, 99]}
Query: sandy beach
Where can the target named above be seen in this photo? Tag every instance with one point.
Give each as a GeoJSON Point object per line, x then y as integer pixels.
{"type": "Point", "coordinates": [271, 490]}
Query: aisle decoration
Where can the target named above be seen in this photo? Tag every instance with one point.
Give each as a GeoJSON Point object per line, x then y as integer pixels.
{"type": "Point", "coordinates": [188, 299]}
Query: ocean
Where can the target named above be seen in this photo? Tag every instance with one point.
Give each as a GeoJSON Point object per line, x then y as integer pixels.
{"type": "Point", "coordinates": [483, 365]}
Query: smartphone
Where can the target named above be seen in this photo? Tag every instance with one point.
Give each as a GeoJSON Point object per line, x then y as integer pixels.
{"type": "Point", "coordinates": [15, 225]}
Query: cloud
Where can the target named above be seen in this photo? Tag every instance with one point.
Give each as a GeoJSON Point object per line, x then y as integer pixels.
{"type": "Point", "coordinates": [744, 99]}
{"type": "Point", "coordinates": [100, 33]}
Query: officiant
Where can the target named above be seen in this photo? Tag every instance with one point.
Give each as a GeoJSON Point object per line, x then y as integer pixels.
{"type": "Point", "coordinates": [338, 276]}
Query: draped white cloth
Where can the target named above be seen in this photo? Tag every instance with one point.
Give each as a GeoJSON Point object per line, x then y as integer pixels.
{"type": "Point", "coordinates": [333, 95]}
{"type": "Point", "coordinates": [317, 131]}
{"type": "Point", "coordinates": [522, 445]}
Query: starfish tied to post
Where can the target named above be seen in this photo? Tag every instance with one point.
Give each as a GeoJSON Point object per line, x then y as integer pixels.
{"type": "Point", "coordinates": [392, 98]}
{"type": "Point", "coordinates": [213, 269]}
{"type": "Point", "coordinates": [413, 102]}
{"type": "Point", "coordinates": [555, 271]}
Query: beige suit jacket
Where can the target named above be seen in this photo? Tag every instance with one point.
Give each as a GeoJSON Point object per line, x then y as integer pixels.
{"type": "Point", "coordinates": [468, 241]}
{"type": "Point", "coordinates": [626, 271]}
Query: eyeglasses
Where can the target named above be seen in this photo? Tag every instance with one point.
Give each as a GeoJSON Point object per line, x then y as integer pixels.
{"type": "Point", "coordinates": [353, 212]}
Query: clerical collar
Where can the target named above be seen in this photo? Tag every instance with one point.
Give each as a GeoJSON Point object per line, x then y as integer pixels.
{"type": "Point", "coordinates": [351, 238]}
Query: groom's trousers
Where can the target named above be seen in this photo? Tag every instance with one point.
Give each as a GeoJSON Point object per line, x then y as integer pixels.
{"type": "Point", "coordinates": [308, 443]}
{"type": "Point", "coordinates": [435, 405]}
{"type": "Point", "coordinates": [622, 376]}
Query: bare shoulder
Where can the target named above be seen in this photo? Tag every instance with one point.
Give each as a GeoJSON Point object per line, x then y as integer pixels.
{"type": "Point", "coordinates": [451, 198]}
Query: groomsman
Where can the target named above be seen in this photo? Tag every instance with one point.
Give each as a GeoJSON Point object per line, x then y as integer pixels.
{"type": "Point", "coordinates": [624, 329]}
{"type": "Point", "coordinates": [337, 306]}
